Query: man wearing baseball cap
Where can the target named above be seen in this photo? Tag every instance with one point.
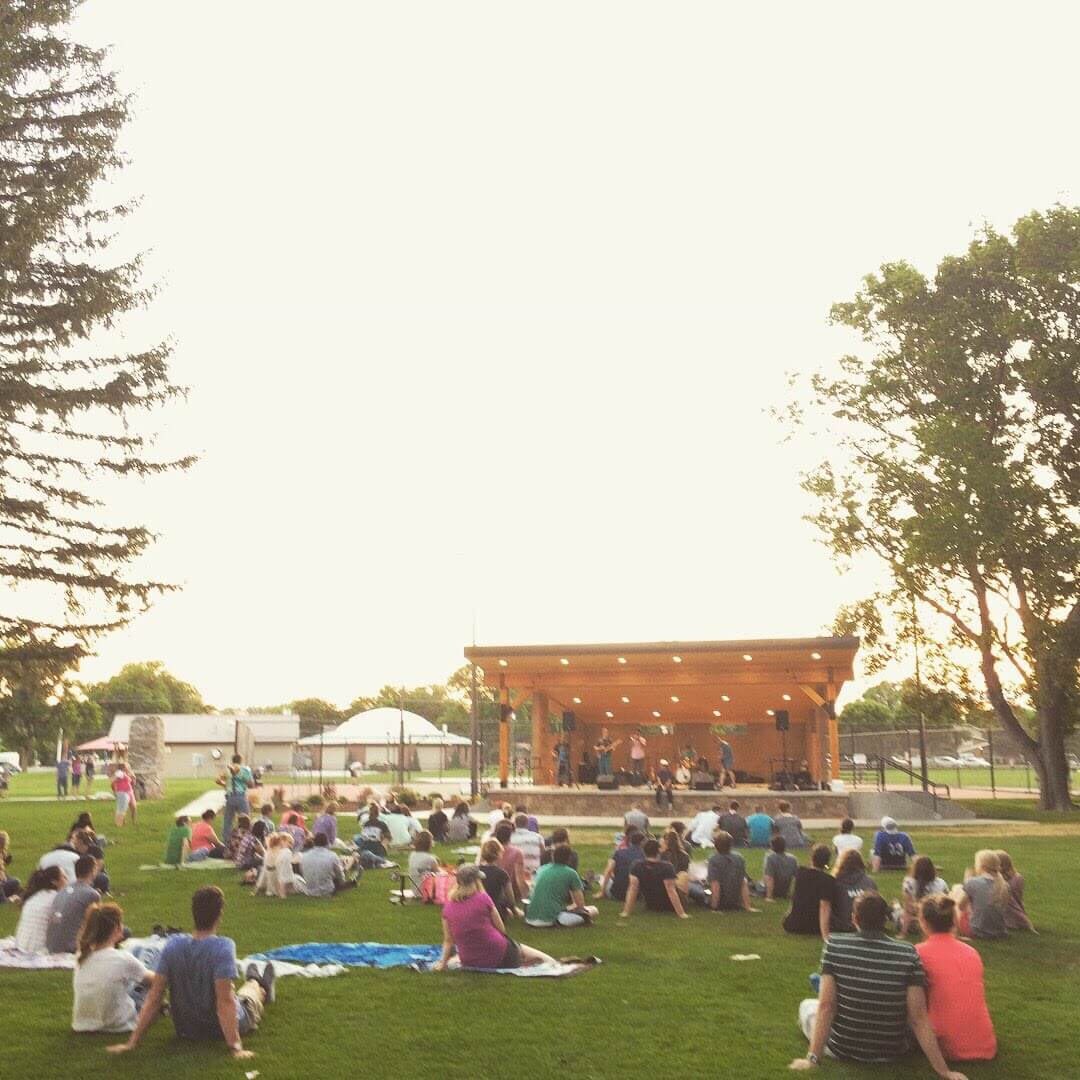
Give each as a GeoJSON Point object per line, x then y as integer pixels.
{"type": "Point", "coordinates": [892, 848]}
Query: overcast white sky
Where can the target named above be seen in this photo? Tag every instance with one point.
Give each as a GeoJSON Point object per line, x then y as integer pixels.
{"type": "Point", "coordinates": [482, 305]}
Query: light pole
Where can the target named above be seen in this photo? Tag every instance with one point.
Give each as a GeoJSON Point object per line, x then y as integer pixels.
{"type": "Point", "coordinates": [918, 692]}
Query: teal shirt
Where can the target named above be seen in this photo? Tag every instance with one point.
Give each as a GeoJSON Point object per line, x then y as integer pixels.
{"type": "Point", "coordinates": [760, 826]}
{"type": "Point", "coordinates": [551, 891]}
{"type": "Point", "coordinates": [239, 783]}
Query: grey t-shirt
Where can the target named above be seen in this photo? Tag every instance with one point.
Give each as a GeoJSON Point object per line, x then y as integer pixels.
{"type": "Point", "coordinates": [421, 864]}
{"type": "Point", "coordinates": [781, 868]}
{"type": "Point", "coordinates": [321, 870]}
{"type": "Point", "coordinates": [66, 916]}
{"type": "Point", "coordinates": [728, 872]}
{"type": "Point", "coordinates": [987, 918]}
{"type": "Point", "coordinates": [849, 888]}
{"type": "Point", "coordinates": [735, 824]}
{"type": "Point", "coordinates": [638, 819]}
{"type": "Point", "coordinates": [790, 828]}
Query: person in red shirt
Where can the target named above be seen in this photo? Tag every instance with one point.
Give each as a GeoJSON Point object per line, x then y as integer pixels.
{"type": "Point", "coordinates": [957, 995]}
{"type": "Point", "coordinates": [204, 841]}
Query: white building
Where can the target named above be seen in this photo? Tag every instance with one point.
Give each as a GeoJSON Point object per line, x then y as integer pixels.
{"type": "Point", "coordinates": [373, 737]}
{"type": "Point", "coordinates": [200, 744]}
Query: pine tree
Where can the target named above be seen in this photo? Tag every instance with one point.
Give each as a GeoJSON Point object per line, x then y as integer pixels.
{"type": "Point", "coordinates": [69, 399]}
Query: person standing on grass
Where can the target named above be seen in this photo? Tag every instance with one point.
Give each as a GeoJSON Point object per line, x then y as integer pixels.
{"type": "Point", "coordinates": [892, 848]}
{"type": "Point", "coordinates": [236, 780]}
{"type": "Point", "coordinates": [89, 771]}
{"type": "Point", "coordinates": [813, 898]}
{"type": "Point", "coordinates": [472, 927]}
{"type": "Point", "coordinates": [655, 880]}
{"type": "Point", "coordinates": [109, 983]}
{"type": "Point", "coordinates": [198, 971]}
{"type": "Point", "coordinates": [76, 774]}
{"type": "Point", "coordinates": [760, 827]}
{"type": "Point", "coordinates": [872, 998]}
{"type": "Point", "coordinates": [1016, 916]}
{"type": "Point", "coordinates": [62, 767]}
{"type": "Point", "coordinates": [123, 786]}
{"type": "Point", "coordinates": [729, 887]}
{"type": "Point", "coordinates": [779, 870]}
{"type": "Point", "coordinates": [69, 906]}
{"type": "Point", "coordinates": [956, 990]}
{"type": "Point", "coordinates": [558, 895]}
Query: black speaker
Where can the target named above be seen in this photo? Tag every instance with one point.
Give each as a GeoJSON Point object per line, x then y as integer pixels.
{"type": "Point", "coordinates": [569, 721]}
{"type": "Point", "coordinates": [783, 722]}
{"type": "Point", "coordinates": [607, 783]}
{"type": "Point", "coordinates": [504, 714]}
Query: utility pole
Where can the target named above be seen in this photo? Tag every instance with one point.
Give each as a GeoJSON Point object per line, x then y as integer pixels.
{"type": "Point", "coordinates": [918, 692]}
{"type": "Point", "coordinates": [474, 737]}
{"type": "Point", "coordinates": [401, 738]}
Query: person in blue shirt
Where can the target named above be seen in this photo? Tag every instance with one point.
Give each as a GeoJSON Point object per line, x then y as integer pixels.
{"type": "Point", "coordinates": [198, 970]}
{"type": "Point", "coordinates": [892, 848]}
{"type": "Point", "coordinates": [760, 825]}
{"type": "Point", "coordinates": [616, 879]}
{"type": "Point", "coordinates": [235, 780]}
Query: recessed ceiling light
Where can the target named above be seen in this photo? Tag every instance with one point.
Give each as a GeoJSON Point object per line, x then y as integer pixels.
{"type": "Point", "coordinates": [677, 659]}
{"type": "Point", "coordinates": [622, 659]}
{"type": "Point", "coordinates": [609, 714]}
{"type": "Point", "coordinates": [724, 697]}
{"type": "Point", "coordinates": [564, 661]}
{"type": "Point", "coordinates": [786, 697]}
{"type": "Point", "coordinates": [746, 656]}
{"type": "Point", "coordinates": [626, 701]}
{"type": "Point", "coordinates": [770, 712]}
{"type": "Point", "coordinates": [656, 714]}
{"type": "Point", "coordinates": [815, 656]}
{"type": "Point", "coordinates": [577, 701]}
{"type": "Point", "coordinates": [502, 663]}
{"type": "Point", "coordinates": [716, 712]}
{"type": "Point", "coordinates": [674, 698]}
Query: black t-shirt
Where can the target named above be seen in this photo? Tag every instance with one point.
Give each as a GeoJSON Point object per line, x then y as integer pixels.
{"type": "Point", "coordinates": [735, 825]}
{"type": "Point", "coordinates": [437, 824]}
{"type": "Point", "coordinates": [651, 877]}
{"type": "Point", "coordinates": [496, 880]}
{"type": "Point", "coordinates": [664, 776]}
{"type": "Point", "coordinates": [811, 887]}
{"type": "Point", "coordinates": [680, 860]}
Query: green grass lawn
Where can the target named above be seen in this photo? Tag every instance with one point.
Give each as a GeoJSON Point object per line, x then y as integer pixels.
{"type": "Point", "coordinates": [668, 997]}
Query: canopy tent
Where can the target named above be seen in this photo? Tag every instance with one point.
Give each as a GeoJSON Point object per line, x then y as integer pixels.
{"type": "Point", "coordinates": [104, 743]}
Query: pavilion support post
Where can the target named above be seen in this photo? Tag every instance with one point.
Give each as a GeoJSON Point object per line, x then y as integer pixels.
{"type": "Point", "coordinates": [504, 732]}
{"type": "Point", "coordinates": [834, 748]}
{"type": "Point", "coordinates": [813, 746]}
{"type": "Point", "coordinates": [541, 737]}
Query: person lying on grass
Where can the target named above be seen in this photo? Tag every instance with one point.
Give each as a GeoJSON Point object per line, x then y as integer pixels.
{"type": "Point", "coordinates": [558, 894]}
{"type": "Point", "coordinates": [473, 928]}
{"type": "Point", "coordinates": [655, 880]}
{"type": "Point", "coordinates": [872, 997]}
{"type": "Point", "coordinates": [198, 970]}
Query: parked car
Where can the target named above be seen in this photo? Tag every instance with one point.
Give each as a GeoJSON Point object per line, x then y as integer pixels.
{"type": "Point", "coordinates": [945, 761]}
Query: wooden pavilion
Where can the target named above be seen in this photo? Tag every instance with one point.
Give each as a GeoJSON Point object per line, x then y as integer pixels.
{"type": "Point", "coordinates": [680, 693]}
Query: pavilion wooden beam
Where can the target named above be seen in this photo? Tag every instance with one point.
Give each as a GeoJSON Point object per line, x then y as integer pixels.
{"type": "Point", "coordinates": [641, 679]}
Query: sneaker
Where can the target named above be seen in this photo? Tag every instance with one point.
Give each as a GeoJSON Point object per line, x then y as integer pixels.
{"type": "Point", "coordinates": [251, 973]}
{"type": "Point", "coordinates": [268, 982]}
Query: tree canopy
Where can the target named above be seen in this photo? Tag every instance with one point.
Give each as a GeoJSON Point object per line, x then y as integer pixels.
{"type": "Point", "coordinates": [145, 688]}
{"type": "Point", "coordinates": [956, 430]}
{"type": "Point", "coordinates": [891, 706]}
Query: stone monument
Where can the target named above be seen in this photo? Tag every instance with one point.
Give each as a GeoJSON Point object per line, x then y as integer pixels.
{"type": "Point", "coordinates": [146, 754]}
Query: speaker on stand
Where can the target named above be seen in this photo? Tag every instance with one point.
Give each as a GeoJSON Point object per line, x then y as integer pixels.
{"type": "Point", "coordinates": [783, 722]}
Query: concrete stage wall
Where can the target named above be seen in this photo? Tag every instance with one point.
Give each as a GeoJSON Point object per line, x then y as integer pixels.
{"type": "Point", "coordinates": [590, 802]}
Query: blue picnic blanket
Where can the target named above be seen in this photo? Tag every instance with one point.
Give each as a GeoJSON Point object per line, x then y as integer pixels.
{"type": "Point", "coordinates": [356, 954]}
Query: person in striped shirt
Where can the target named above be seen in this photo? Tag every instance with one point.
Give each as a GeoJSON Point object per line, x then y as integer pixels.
{"type": "Point", "coordinates": [872, 997]}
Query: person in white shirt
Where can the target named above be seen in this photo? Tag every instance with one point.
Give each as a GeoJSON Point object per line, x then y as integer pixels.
{"type": "Point", "coordinates": [36, 911]}
{"type": "Point", "coordinates": [109, 983]}
{"type": "Point", "coordinates": [403, 827]}
{"type": "Point", "coordinates": [703, 825]}
{"type": "Point", "coordinates": [500, 813]}
{"type": "Point", "coordinates": [278, 877]}
{"type": "Point", "coordinates": [845, 839]}
{"type": "Point", "coordinates": [530, 844]}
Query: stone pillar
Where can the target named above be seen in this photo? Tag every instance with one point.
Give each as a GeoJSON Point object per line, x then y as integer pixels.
{"type": "Point", "coordinates": [146, 754]}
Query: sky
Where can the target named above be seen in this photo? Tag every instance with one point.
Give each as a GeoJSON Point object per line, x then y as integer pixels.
{"type": "Point", "coordinates": [483, 306]}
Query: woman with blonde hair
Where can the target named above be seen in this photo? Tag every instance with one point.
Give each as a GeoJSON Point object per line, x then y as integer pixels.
{"type": "Point", "coordinates": [278, 877]}
{"type": "Point", "coordinates": [983, 899]}
{"type": "Point", "coordinates": [1016, 916]}
{"type": "Point", "coordinates": [438, 822]}
{"type": "Point", "coordinates": [109, 983]}
{"type": "Point", "coordinates": [474, 929]}
{"type": "Point", "coordinates": [497, 880]}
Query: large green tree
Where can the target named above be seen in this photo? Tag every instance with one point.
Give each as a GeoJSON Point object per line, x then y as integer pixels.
{"type": "Point", "coordinates": [891, 706]}
{"type": "Point", "coordinates": [70, 398]}
{"type": "Point", "coordinates": [956, 429]}
{"type": "Point", "coordinates": [146, 688]}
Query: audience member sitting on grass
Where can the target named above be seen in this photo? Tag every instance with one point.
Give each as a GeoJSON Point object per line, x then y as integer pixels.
{"type": "Point", "coordinates": [266, 815]}
{"type": "Point", "coordinates": [846, 838]}
{"type": "Point", "coordinates": [616, 879]}
{"type": "Point", "coordinates": [1016, 916]}
{"type": "Point", "coordinates": [559, 836]}
{"type": "Point", "coordinates": [241, 827]}
{"type": "Point", "coordinates": [69, 906]}
{"type": "Point", "coordinates": [326, 823]}
{"type": "Point", "coordinates": [503, 812]}
{"type": "Point", "coordinates": [813, 897]}
{"type": "Point", "coordinates": [655, 880]}
{"type": "Point", "coordinates": [532, 824]}
{"type": "Point", "coordinates": [402, 825]}
{"type": "Point", "coordinates": [729, 887]}
{"type": "Point", "coordinates": [110, 984]}
{"type": "Point", "coordinates": [438, 823]}
{"type": "Point", "coordinates": [9, 886]}
{"type": "Point", "coordinates": [731, 821]}
{"type": "Point", "coordinates": [983, 900]}
{"type": "Point", "coordinates": [956, 991]}
{"type": "Point", "coordinates": [374, 834]}
{"type": "Point", "coordinates": [64, 856]}
{"type": "Point", "coordinates": [178, 842]}
{"type": "Point", "coordinates": [558, 895]}
{"type": "Point", "coordinates": [473, 928]}
{"type": "Point", "coordinates": [872, 997]}
{"type": "Point", "coordinates": [852, 881]}
{"type": "Point", "coordinates": [198, 971]}
{"type": "Point", "coordinates": [295, 816]}
{"type": "Point", "coordinates": [703, 826]}
{"type": "Point", "coordinates": [892, 848]}
{"type": "Point", "coordinates": [461, 827]}
{"type": "Point", "coordinates": [291, 825]}
{"type": "Point", "coordinates": [789, 826]}
{"type": "Point", "coordinates": [421, 862]}
{"type": "Point", "coordinates": [37, 899]}
{"type": "Point", "coordinates": [531, 844]}
{"type": "Point", "coordinates": [672, 851]}
{"type": "Point", "coordinates": [923, 881]}
{"type": "Point", "coordinates": [497, 880]}
{"type": "Point", "coordinates": [278, 877]}
{"type": "Point", "coordinates": [779, 869]}
{"type": "Point", "coordinates": [251, 852]}
{"type": "Point", "coordinates": [85, 821]}
{"type": "Point", "coordinates": [512, 861]}
{"type": "Point", "coordinates": [760, 827]}
{"type": "Point", "coordinates": [204, 841]}
{"type": "Point", "coordinates": [636, 818]}
{"type": "Point", "coordinates": [322, 872]}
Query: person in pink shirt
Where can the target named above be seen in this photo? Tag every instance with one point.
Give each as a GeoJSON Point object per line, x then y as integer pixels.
{"type": "Point", "coordinates": [955, 989]}
{"type": "Point", "coordinates": [204, 841]}
{"type": "Point", "coordinates": [123, 785]}
{"type": "Point", "coordinates": [512, 861]}
{"type": "Point", "coordinates": [473, 927]}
